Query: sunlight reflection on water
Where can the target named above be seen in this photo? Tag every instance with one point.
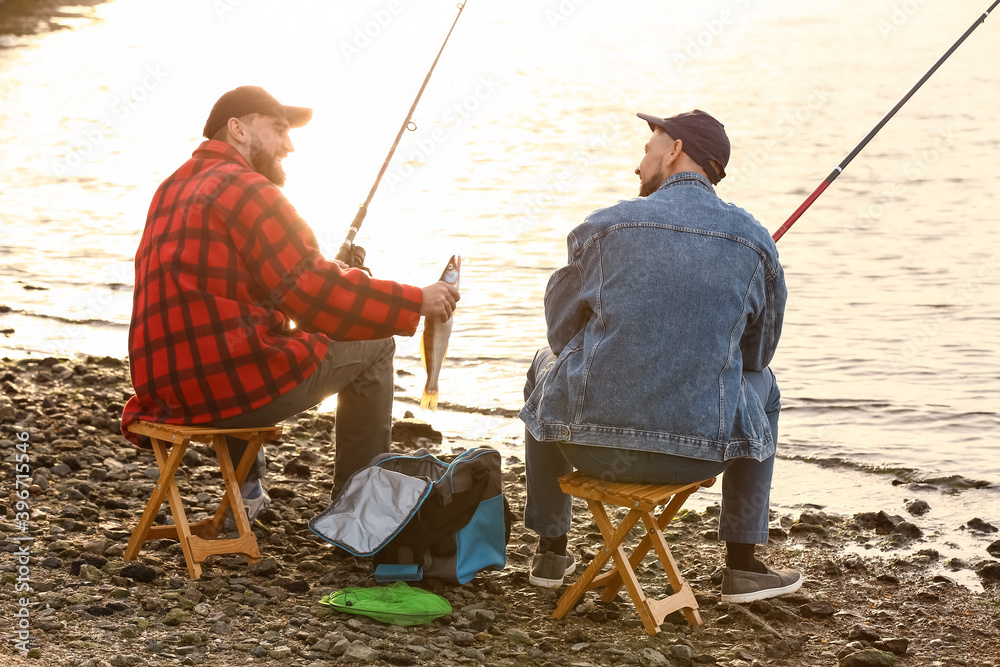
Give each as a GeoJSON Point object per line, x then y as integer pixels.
{"type": "Point", "coordinates": [891, 350]}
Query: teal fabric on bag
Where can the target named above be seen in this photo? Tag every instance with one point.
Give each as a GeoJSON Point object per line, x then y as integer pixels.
{"type": "Point", "coordinates": [389, 572]}
{"type": "Point", "coordinates": [480, 544]}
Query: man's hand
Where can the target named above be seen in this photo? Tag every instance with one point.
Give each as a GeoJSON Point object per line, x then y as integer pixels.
{"type": "Point", "coordinates": [355, 260]}
{"type": "Point", "coordinates": [439, 300]}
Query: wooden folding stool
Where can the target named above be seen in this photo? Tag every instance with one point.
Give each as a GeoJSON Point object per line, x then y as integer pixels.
{"type": "Point", "coordinates": [641, 500]}
{"type": "Point", "coordinates": [197, 539]}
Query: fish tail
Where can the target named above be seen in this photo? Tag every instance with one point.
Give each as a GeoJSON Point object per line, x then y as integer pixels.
{"type": "Point", "coordinates": [429, 401]}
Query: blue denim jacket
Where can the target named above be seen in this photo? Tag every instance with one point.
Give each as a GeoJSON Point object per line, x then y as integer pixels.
{"type": "Point", "coordinates": [665, 301]}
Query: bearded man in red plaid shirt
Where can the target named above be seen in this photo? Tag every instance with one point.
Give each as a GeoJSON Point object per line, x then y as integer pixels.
{"type": "Point", "coordinates": [239, 321]}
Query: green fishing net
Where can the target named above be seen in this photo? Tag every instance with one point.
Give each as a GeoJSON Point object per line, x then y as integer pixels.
{"type": "Point", "coordinates": [397, 604]}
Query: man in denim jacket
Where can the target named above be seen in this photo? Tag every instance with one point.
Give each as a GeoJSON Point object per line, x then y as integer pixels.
{"type": "Point", "coordinates": [660, 329]}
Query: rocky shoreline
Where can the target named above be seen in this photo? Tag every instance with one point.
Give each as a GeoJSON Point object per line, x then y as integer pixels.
{"type": "Point", "coordinates": [90, 608]}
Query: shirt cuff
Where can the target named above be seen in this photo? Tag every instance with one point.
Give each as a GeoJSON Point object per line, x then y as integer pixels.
{"type": "Point", "coordinates": [409, 319]}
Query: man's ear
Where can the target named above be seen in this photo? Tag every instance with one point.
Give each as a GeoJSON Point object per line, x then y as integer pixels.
{"type": "Point", "coordinates": [237, 130]}
{"type": "Point", "coordinates": [675, 151]}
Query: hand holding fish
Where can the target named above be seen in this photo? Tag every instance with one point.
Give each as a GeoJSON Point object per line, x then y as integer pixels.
{"type": "Point", "coordinates": [439, 301]}
{"type": "Point", "coordinates": [439, 304]}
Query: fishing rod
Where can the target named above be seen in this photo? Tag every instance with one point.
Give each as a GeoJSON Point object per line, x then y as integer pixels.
{"type": "Point", "coordinates": [878, 126]}
{"type": "Point", "coordinates": [345, 248]}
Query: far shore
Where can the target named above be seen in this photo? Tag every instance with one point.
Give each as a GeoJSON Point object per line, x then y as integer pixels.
{"type": "Point", "coordinates": [30, 17]}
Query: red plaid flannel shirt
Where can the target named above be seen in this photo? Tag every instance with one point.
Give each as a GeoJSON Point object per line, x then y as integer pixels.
{"type": "Point", "coordinates": [224, 266]}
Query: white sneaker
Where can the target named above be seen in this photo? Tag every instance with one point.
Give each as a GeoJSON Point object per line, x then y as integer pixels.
{"type": "Point", "coordinates": [255, 498]}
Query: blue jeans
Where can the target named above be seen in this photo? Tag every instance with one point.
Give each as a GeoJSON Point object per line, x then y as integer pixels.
{"type": "Point", "coordinates": [746, 484]}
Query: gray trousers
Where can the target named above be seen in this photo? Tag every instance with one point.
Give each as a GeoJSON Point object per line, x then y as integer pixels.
{"type": "Point", "coordinates": [360, 373]}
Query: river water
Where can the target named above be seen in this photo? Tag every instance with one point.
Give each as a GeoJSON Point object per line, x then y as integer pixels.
{"type": "Point", "coordinates": [890, 359]}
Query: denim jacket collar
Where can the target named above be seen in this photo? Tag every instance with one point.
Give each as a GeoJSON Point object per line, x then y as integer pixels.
{"type": "Point", "coordinates": [685, 178]}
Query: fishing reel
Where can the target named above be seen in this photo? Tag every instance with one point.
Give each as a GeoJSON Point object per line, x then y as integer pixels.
{"type": "Point", "coordinates": [354, 256]}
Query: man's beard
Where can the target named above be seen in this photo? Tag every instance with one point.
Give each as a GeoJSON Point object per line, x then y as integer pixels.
{"type": "Point", "coordinates": [648, 187]}
{"type": "Point", "coordinates": [264, 164]}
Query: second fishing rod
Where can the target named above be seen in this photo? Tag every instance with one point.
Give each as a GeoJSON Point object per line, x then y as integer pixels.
{"type": "Point", "coordinates": [839, 169]}
{"type": "Point", "coordinates": [344, 253]}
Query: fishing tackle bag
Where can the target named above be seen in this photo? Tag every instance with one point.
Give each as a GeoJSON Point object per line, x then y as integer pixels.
{"type": "Point", "coordinates": [444, 520]}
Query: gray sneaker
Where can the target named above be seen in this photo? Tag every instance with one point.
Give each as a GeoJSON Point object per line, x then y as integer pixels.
{"type": "Point", "coordinates": [742, 586]}
{"type": "Point", "coordinates": [548, 570]}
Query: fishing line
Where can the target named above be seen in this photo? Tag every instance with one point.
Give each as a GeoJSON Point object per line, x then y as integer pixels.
{"type": "Point", "coordinates": [345, 248]}
{"type": "Point", "coordinates": [878, 126]}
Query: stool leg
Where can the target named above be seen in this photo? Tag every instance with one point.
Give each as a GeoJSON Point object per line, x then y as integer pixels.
{"type": "Point", "coordinates": [249, 455]}
{"type": "Point", "coordinates": [167, 471]}
{"type": "Point", "coordinates": [233, 485]}
{"type": "Point", "coordinates": [612, 579]}
{"type": "Point", "coordinates": [613, 541]}
{"type": "Point", "coordinates": [683, 597]}
{"type": "Point", "coordinates": [177, 507]}
{"type": "Point", "coordinates": [581, 585]}
{"type": "Point", "coordinates": [254, 444]}
{"type": "Point", "coordinates": [587, 581]}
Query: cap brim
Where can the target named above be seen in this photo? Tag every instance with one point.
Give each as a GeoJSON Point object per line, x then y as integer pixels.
{"type": "Point", "coordinates": [297, 116]}
{"type": "Point", "coordinates": [654, 121]}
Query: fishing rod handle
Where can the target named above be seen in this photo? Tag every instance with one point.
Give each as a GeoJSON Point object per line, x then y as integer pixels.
{"type": "Point", "coordinates": [344, 254]}
{"type": "Point", "coordinates": [806, 204]}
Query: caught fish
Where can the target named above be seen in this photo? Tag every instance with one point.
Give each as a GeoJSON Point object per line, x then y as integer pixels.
{"type": "Point", "coordinates": [434, 343]}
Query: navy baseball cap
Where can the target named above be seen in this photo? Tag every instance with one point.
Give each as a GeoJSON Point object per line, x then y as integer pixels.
{"type": "Point", "coordinates": [245, 100]}
{"type": "Point", "coordinates": [704, 138]}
